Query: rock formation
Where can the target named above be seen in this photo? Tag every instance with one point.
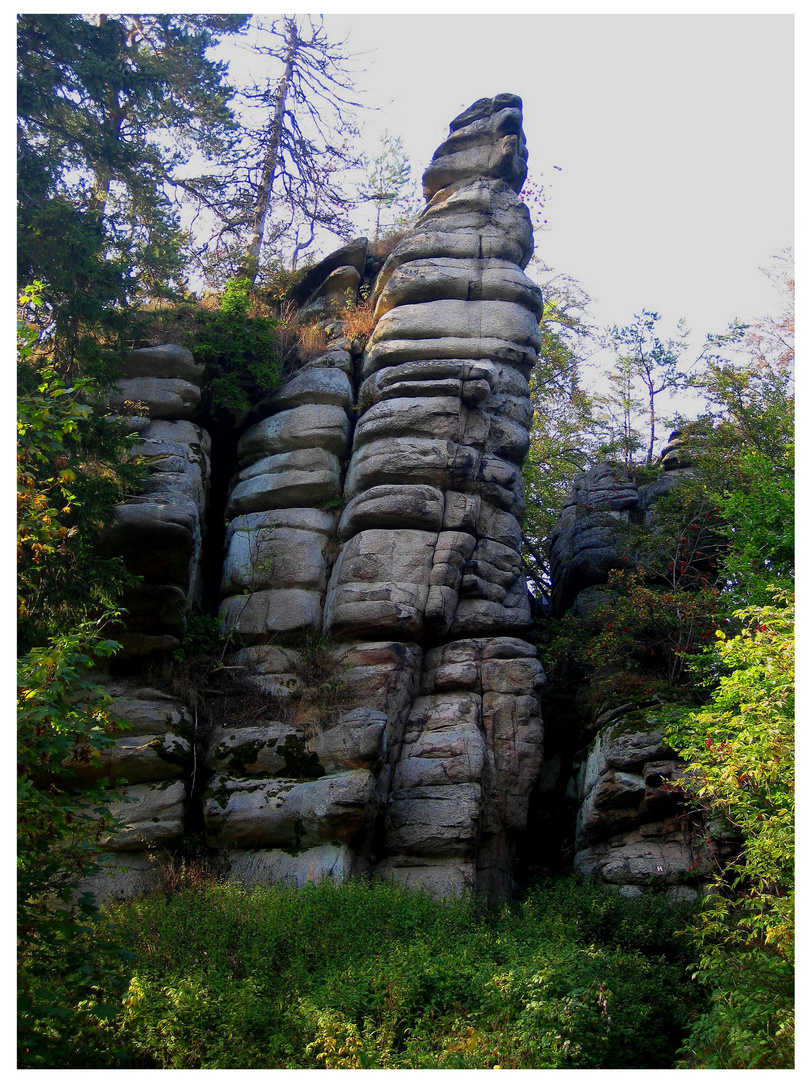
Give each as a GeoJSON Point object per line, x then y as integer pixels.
{"type": "Point", "coordinates": [630, 827]}
{"type": "Point", "coordinates": [373, 539]}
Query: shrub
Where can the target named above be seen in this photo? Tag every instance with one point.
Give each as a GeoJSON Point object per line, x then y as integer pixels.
{"type": "Point", "coordinates": [69, 977]}
{"type": "Point", "coordinates": [73, 466]}
{"type": "Point", "coordinates": [238, 344]}
{"type": "Point", "coordinates": [740, 757]}
{"type": "Point", "coordinates": [368, 975]}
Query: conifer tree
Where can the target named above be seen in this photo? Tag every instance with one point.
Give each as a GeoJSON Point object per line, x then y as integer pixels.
{"type": "Point", "coordinates": [111, 109]}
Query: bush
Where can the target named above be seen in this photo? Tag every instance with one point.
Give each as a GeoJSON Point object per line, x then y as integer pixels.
{"type": "Point", "coordinates": [73, 466]}
{"type": "Point", "coordinates": [371, 976]}
{"type": "Point", "coordinates": [740, 755]}
{"type": "Point", "coordinates": [238, 344]}
{"type": "Point", "coordinates": [69, 976]}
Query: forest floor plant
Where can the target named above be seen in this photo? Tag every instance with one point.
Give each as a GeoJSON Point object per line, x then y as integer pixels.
{"type": "Point", "coordinates": [368, 975]}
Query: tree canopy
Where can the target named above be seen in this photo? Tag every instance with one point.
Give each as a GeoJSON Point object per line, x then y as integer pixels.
{"type": "Point", "coordinates": [111, 110]}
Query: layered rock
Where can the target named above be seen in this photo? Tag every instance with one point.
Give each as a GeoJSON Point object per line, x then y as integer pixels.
{"type": "Point", "coordinates": [422, 565]}
{"type": "Point", "coordinates": [371, 571]}
{"type": "Point", "coordinates": [470, 754]}
{"type": "Point", "coordinates": [159, 533]}
{"type": "Point", "coordinates": [152, 765]}
{"type": "Point", "coordinates": [588, 542]}
{"type": "Point", "coordinates": [591, 535]}
{"type": "Point", "coordinates": [281, 505]}
{"type": "Point", "coordinates": [631, 830]}
{"type": "Point", "coordinates": [431, 529]}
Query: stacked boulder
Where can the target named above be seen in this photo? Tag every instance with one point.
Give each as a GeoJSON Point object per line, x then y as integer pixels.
{"type": "Point", "coordinates": [587, 541]}
{"type": "Point", "coordinates": [152, 765]}
{"type": "Point", "coordinates": [408, 569]}
{"type": "Point", "coordinates": [434, 500]}
{"type": "Point", "coordinates": [159, 533]}
{"type": "Point", "coordinates": [631, 829]}
{"type": "Point", "coordinates": [281, 510]}
{"type": "Point", "coordinates": [372, 568]}
{"type": "Point", "coordinates": [597, 519]}
{"type": "Point", "coordinates": [283, 802]}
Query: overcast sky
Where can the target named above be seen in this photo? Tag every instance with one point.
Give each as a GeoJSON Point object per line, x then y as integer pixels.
{"type": "Point", "coordinates": [664, 143]}
{"type": "Point", "coordinates": [672, 137]}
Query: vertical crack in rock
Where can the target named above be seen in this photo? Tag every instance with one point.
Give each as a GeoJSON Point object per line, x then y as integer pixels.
{"type": "Point", "coordinates": [372, 559]}
{"type": "Point", "coordinates": [445, 407]}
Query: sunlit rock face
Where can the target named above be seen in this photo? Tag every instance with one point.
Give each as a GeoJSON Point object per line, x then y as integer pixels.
{"type": "Point", "coordinates": [434, 501]}
{"type": "Point", "coordinates": [371, 567]}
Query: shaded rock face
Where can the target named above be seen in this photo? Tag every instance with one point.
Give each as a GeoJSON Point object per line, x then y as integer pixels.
{"type": "Point", "coordinates": [159, 533]}
{"type": "Point", "coordinates": [631, 829]}
{"type": "Point", "coordinates": [374, 519]}
{"type": "Point", "coordinates": [152, 763]}
{"type": "Point", "coordinates": [589, 539]}
{"type": "Point", "coordinates": [585, 544]}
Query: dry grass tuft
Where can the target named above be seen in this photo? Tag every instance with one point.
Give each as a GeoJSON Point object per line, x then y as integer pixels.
{"type": "Point", "coordinates": [179, 874]}
{"type": "Point", "coordinates": [312, 341]}
{"type": "Point", "coordinates": [382, 247]}
{"type": "Point", "coordinates": [358, 320]}
{"type": "Point", "coordinates": [324, 696]}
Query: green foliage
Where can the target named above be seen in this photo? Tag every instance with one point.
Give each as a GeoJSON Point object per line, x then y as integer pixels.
{"type": "Point", "coordinates": [654, 618]}
{"type": "Point", "coordinates": [740, 757]}
{"type": "Point", "coordinates": [239, 347]}
{"type": "Point", "coordinates": [743, 448]}
{"type": "Point", "coordinates": [750, 1020]}
{"type": "Point", "coordinates": [62, 716]}
{"type": "Point", "coordinates": [563, 435]}
{"type": "Point", "coordinates": [202, 637]}
{"type": "Point", "coordinates": [96, 175]}
{"type": "Point", "coordinates": [371, 976]}
{"type": "Point", "coordinates": [647, 366]}
{"type": "Point", "coordinates": [278, 280]}
{"type": "Point", "coordinates": [72, 468]}
{"type": "Point", "coordinates": [744, 454]}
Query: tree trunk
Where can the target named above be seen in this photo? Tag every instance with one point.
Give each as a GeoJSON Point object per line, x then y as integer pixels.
{"type": "Point", "coordinates": [250, 266]}
{"type": "Point", "coordinates": [103, 175]}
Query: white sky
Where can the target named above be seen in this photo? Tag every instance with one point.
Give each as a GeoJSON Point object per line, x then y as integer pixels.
{"type": "Point", "coordinates": [672, 136]}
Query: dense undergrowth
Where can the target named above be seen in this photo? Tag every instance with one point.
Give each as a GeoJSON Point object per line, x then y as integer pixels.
{"type": "Point", "coordinates": [371, 976]}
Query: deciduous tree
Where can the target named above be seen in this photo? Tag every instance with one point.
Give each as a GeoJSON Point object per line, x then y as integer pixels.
{"type": "Point", "coordinates": [645, 367]}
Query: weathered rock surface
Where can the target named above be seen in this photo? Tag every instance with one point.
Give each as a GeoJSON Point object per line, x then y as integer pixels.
{"type": "Point", "coordinates": [165, 379]}
{"type": "Point", "coordinates": [426, 549]}
{"type": "Point", "coordinates": [586, 543]}
{"type": "Point", "coordinates": [159, 533]}
{"type": "Point", "coordinates": [372, 568]}
{"type": "Point", "coordinates": [631, 829]}
{"type": "Point", "coordinates": [287, 813]}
